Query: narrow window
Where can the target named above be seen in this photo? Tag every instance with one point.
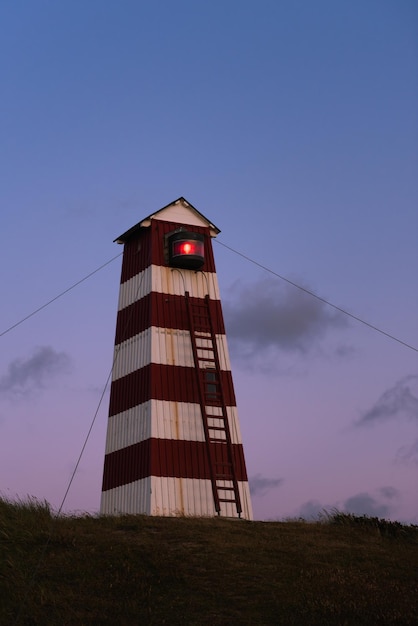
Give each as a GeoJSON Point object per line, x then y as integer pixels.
{"type": "Point", "coordinates": [211, 385]}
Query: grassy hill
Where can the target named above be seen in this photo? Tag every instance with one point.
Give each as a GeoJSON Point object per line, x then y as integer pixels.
{"type": "Point", "coordinates": [144, 570]}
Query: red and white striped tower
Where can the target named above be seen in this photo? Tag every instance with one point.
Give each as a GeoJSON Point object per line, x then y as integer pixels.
{"type": "Point", "coordinates": [173, 442]}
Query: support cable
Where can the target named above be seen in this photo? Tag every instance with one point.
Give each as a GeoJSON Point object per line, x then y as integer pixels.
{"type": "Point", "coordinates": [72, 477]}
{"type": "Point", "coordinates": [247, 258]}
{"type": "Point", "coordinates": [250, 260]}
{"type": "Point", "coordinates": [59, 295]}
{"type": "Point", "coordinates": [314, 295]}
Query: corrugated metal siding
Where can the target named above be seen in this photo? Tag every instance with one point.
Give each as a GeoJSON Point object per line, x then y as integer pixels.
{"type": "Point", "coordinates": [134, 498]}
{"type": "Point", "coordinates": [166, 457]}
{"type": "Point", "coordinates": [161, 382]}
{"type": "Point", "coordinates": [177, 420]}
{"type": "Point", "coordinates": [170, 420]}
{"type": "Point", "coordinates": [134, 318]}
{"type": "Point", "coordinates": [163, 311]}
{"type": "Point", "coordinates": [234, 426]}
{"type": "Point", "coordinates": [247, 509]}
{"type": "Point", "coordinates": [175, 282]}
{"type": "Point", "coordinates": [127, 465]}
{"type": "Point", "coordinates": [160, 345]}
{"type": "Point", "coordinates": [132, 354]}
{"type": "Point", "coordinates": [171, 497]}
{"type": "Point", "coordinates": [136, 255]}
{"type": "Point", "coordinates": [135, 288]}
{"type": "Point", "coordinates": [147, 246]}
{"type": "Point", "coordinates": [182, 496]}
{"type": "Point", "coordinates": [161, 228]}
{"type": "Point", "coordinates": [129, 427]}
{"type": "Point", "coordinates": [169, 281]}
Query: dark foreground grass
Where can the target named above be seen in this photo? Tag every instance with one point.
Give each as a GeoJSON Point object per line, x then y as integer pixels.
{"type": "Point", "coordinates": [144, 570]}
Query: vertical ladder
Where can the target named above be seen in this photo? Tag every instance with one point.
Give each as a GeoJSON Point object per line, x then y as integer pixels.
{"type": "Point", "coordinates": [212, 403]}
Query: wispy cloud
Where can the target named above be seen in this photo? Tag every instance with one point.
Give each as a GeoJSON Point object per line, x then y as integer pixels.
{"type": "Point", "coordinates": [401, 400]}
{"type": "Point", "coordinates": [408, 454]}
{"type": "Point", "coordinates": [378, 505]}
{"type": "Point", "coordinates": [270, 315]}
{"type": "Point", "coordinates": [366, 504]}
{"type": "Point", "coordinates": [390, 493]}
{"type": "Point", "coordinates": [260, 485]}
{"type": "Point", "coordinates": [24, 375]}
{"type": "Point", "coordinates": [312, 510]}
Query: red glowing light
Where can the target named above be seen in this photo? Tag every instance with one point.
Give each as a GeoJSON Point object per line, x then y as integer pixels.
{"type": "Point", "coordinates": [188, 247]}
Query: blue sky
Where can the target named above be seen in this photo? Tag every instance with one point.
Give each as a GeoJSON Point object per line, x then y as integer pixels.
{"type": "Point", "coordinates": [293, 127]}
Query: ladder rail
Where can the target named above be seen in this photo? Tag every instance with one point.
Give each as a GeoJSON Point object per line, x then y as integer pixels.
{"type": "Point", "coordinates": [224, 412]}
{"type": "Point", "coordinates": [220, 470]}
{"type": "Point", "coordinates": [202, 404]}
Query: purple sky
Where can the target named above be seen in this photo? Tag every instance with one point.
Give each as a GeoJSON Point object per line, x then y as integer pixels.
{"type": "Point", "coordinates": [293, 127]}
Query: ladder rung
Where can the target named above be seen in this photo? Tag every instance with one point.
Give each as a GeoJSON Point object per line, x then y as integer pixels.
{"type": "Point", "coordinates": [206, 359]}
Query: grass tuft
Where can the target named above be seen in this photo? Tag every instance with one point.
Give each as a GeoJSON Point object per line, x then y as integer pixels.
{"type": "Point", "coordinates": [384, 527]}
{"type": "Point", "coordinates": [70, 570]}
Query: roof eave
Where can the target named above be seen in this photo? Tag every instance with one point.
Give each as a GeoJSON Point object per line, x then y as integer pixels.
{"type": "Point", "coordinates": [146, 222]}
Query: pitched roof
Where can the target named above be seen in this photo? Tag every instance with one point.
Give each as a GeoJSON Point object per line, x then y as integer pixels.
{"type": "Point", "coordinates": [179, 211]}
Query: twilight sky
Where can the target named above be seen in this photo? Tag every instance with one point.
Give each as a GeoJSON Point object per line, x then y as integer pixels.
{"type": "Point", "coordinates": [293, 127]}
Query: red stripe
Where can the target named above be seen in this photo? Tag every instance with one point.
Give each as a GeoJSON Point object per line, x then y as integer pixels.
{"type": "Point", "coordinates": [163, 311]}
{"type": "Point", "coordinates": [136, 255]}
{"type": "Point", "coordinates": [162, 382]}
{"type": "Point", "coordinates": [147, 247]}
{"type": "Point", "coordinates": [167, 457]}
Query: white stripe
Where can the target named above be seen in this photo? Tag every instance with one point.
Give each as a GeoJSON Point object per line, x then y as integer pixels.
{"type": "Point", "coordinates": [168, 280]}
{"type": "Point", "coordinates": [160, 419]}
{"type": "Point", "coordinates": [134, 498]}
{"type": "Point", "coordinates": [171, 497]}
{"type": "Point", "coordinates": [165, 346]}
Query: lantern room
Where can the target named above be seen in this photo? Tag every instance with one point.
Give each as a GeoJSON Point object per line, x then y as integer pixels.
{"type": "Point", "coordinates": [186, 250]}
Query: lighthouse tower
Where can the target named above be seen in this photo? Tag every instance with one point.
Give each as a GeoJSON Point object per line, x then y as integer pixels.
{"type": "Point", "coordinates": [173, 443]}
